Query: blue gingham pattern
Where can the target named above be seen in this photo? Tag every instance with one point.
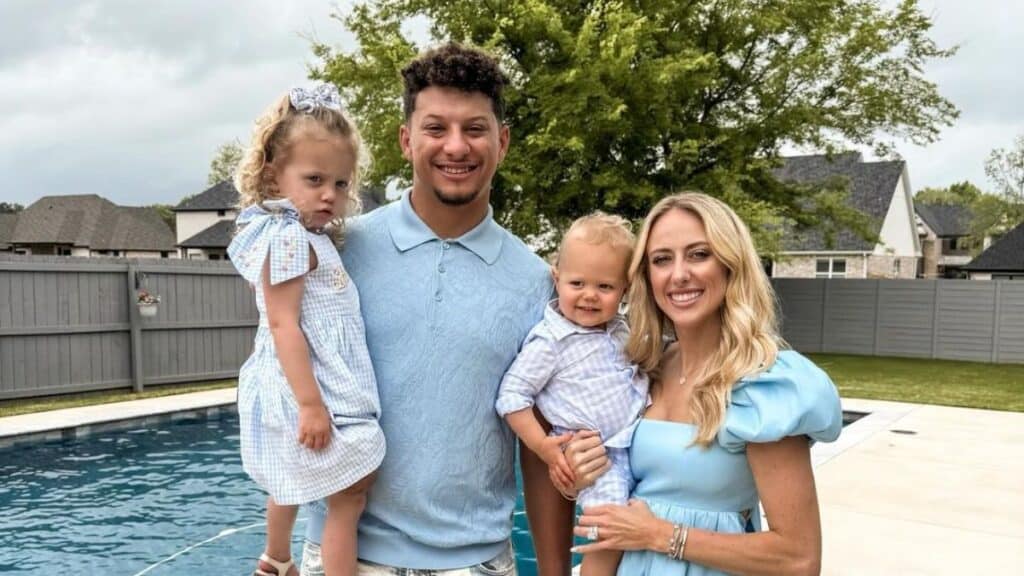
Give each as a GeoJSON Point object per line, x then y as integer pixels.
{"type": "Point", "coordinates": [333, 326]}
{"type": "Point", "coordinates": [580, 379]}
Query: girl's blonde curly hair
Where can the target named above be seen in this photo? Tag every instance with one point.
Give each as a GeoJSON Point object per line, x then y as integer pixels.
{"type": "Point", "coordinates": [275, 132]}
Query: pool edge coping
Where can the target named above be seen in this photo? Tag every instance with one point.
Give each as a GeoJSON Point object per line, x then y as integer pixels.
{"type": "Point", "coordinates": [79, 422]}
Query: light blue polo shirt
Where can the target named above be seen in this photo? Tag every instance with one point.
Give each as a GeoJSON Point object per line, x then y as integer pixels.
{"type": "Point", "coordinates": [444, 320]}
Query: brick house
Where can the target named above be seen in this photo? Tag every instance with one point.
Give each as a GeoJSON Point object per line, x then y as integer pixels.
{"type": "Point", "coordinates": [881, 190]}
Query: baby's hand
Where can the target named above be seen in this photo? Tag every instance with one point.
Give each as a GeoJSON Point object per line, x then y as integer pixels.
{"type": "Point", "coordinates": [558, 466]}
{"type": "Point", "coordinates": [314, 427]}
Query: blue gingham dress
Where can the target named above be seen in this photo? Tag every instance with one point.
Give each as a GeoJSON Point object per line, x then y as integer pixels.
{"type": "Point", "coordinates": [333, 326]}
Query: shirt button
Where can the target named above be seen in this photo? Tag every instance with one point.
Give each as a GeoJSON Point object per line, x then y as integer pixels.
{"type": "Point", "coordinates": [445, 245]}
{"type": "Point", "coordinates": [440, 268]}
{"type": "Point", "coordinates": [437, 297]}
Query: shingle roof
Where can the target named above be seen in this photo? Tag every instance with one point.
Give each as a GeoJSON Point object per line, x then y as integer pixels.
{"type": "Point", "coordinates": [871, 189]}
{"type": "Point", "coordinates": [7, 222]}
{"type": "Point", "coordinates": [945, 220]}
{"type": "Point", "coordinates": [93, 222]}
{"type": "Point", "coordinates": [1007, 254]}
{"type": "Point", "coordinates": [220, 196]}
{"type": "Point", "coordinates": [217, 236]}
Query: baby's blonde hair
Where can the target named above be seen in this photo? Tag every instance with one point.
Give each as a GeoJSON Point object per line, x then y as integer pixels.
{"type": "Point", "coordinates": [601, 229]}
{"type": "Point", "coordinates": [273, 135]}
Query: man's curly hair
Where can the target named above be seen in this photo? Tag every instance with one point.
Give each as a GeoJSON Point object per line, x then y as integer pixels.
{"type": "Point", "coordinates": [455, 66]}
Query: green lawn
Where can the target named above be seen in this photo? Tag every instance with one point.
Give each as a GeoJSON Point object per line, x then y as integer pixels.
{"type": "Point", "coordinates": [968, 384]}
{"type": "Point", "coordinates": [29, 405]}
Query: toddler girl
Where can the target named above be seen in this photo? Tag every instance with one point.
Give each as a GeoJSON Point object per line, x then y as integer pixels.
{"type": "Point", "coordinates": [307, 397]}
{"type": "Point", "coordinates": [574, 367]}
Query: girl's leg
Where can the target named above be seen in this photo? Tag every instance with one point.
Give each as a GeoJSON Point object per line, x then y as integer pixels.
{"type": "Point", "coordinates": [280, 521]}
{"type": "Point", "coordinates": [338, 547]}
{"type": "Point", "coordinates": [549, 514]}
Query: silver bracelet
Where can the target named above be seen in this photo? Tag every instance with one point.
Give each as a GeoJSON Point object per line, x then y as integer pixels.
{"type": "Point", "coordinates": [680, 548]}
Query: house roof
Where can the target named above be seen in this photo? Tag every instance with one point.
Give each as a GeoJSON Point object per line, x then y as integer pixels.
{"type": "Point", "coordinates": [871, 189]}
{"type": "Point", "coordinates": [1006, 254]}
{"type": "Point", "coordinates": [93, 222]}
{"type": "Point", "coordinates": [7, 222]}
{"type": "Point", "coordinates": [220, 196]}
{"type": "Point", "coordinates": [945, 220]}
{"type": "Point", "coordinates": [216, 236]}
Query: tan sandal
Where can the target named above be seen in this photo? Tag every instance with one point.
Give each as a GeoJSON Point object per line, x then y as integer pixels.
{"type": "Point", "coordinates": [281, 567]}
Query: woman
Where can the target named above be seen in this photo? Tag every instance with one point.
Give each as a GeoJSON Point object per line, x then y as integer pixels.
{"type": "Point", "coordinates": [730, 416]}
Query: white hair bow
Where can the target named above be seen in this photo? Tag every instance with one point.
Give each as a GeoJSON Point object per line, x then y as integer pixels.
{"type": "Point", "coordinates": [322, 95]}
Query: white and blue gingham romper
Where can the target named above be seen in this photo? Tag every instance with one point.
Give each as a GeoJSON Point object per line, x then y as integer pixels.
{"type": "Point", "coordinates": [333, 326]}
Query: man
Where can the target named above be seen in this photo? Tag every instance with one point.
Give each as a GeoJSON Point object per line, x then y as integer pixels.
{"type": "Point", "coordinates": [448, 297]}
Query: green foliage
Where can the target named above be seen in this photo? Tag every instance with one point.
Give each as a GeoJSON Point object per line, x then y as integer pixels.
{"type": "Point", "coordinates": [166, 212]}
{"type": "Point", "coordinates": [615, 104]}
{"type": "Point", "coordinates": [959, 194]}
{"type": "Point", "coordinates": [1006, 170]}
{"type": "Point", "coordinates": [224, 163]}
{"type": "Point", "coordinates": [10, 207]}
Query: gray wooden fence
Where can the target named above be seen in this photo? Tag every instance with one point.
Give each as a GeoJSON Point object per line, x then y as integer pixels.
{"type": "Point", "coordinates": [973, 320]}
{"type": "Point", "coordinates": [71, 324]}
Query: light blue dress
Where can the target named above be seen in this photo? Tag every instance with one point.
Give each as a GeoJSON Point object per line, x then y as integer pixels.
{"type": "Point", "coordinates": [713, 488]}
{"type": "Point", "coordinates": [333, 326]}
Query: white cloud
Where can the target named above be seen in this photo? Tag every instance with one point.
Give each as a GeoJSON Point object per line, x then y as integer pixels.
{"type": "Point", "coordinates": [130, 99]}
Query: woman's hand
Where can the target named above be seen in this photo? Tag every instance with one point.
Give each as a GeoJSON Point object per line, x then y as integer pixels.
{"type": "Point", "coordinates": [586, 456]}
{"type": "Point", "coordinates": [314, 426]}
{"type": "Point", "coordinates": [550, 451]}
{"type": "Point", "coordinates": [630, 527]}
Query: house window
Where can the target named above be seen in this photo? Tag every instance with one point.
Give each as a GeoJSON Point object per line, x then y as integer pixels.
{"type": "Point", "coordinates": [830, 268]}
{"type": "Point", "coordinates": [164, 254]}
{"type": "Point", "coordinates": [896, 266]}
{"type": "Point", "coordinates": [214, 256]}
{"type": "Point", "coordinates": [220, 212]}
{"type": "Point", "coordinates": [64, 251]}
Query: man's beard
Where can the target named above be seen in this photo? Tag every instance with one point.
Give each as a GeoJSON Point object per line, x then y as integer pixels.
{"type": "Point", "coordinates": [455, 200]}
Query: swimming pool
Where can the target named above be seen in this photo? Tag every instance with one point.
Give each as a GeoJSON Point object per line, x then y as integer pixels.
{"type": "Point", "coordinates": [168, 498]}
{"type": "Point", "coordinates": [165, 499]}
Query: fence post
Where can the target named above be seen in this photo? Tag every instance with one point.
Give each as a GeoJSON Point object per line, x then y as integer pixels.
{"type": "Point", "coordinates": [935, 319]}
{"type": "Point", "coordinates": [824, 315]}
{"type": "Point", "coordinates": [995, 320]}
{"type": "Point", "coordinates": [135, 321]}
{"type": "Point", "coordinates": [878, 316]}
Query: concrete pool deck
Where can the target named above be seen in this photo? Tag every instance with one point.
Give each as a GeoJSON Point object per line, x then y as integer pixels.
{"type": "Point", "coordinates": [908, 489]}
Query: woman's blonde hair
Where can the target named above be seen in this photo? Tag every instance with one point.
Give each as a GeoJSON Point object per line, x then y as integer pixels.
{"type": "Point", "coordinates": [750, 338]}
{"type": "Point", "coordinates": [275, 132]}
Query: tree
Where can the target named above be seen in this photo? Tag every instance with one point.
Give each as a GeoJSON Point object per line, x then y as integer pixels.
{"type": "Point", "coordinates": [166, 212]}
{"type": "Point", "coordinates": [1005, 168]}
{"type": "Point", "coordinates": [961, 194]}
{"type": "Point", "coordinates": [10, 207]}
{"type": "Point", "coordinates": [615, 104]}
{"type": "Point", "coordinates": [223, 165]}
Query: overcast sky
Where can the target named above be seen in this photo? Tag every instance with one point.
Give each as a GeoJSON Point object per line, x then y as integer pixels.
{"type": "Point", "coordinates": [130, 99]}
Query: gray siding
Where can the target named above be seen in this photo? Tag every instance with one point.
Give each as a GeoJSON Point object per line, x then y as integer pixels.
{"type": "Point", "coordinates": [71, 325]}
{"type": "Point", "coordinates": [950, 319]}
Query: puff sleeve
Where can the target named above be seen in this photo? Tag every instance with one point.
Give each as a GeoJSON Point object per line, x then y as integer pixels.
{"type": "Point", "coordinates": [794, 397]}
{"type": "Point", "coordinates": [272, 231]}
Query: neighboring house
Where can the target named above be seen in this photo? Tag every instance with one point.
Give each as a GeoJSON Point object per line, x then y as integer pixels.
{"type": "Point", "coordinates": [206, 222]}
{"type": "Point", "coordinates": [88, 226]}
{"type": "Point", "coordinates": [881, 190]}
{"type": "Point", "coordinates": [943, 231]}
{"type": "Point", "coordinates": [7, 222]}
{"type": "Point", "coordinates": [1004, 259]}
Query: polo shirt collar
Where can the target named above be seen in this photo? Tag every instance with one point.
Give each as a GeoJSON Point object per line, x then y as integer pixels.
{"type": "Point", "coordinates": [562, 327]}
{"type": "Point", "coordinates": [408, 231]}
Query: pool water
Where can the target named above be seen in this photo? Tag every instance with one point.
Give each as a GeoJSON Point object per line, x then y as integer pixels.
{"type": "Point", "coordinates": [122, 503]}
